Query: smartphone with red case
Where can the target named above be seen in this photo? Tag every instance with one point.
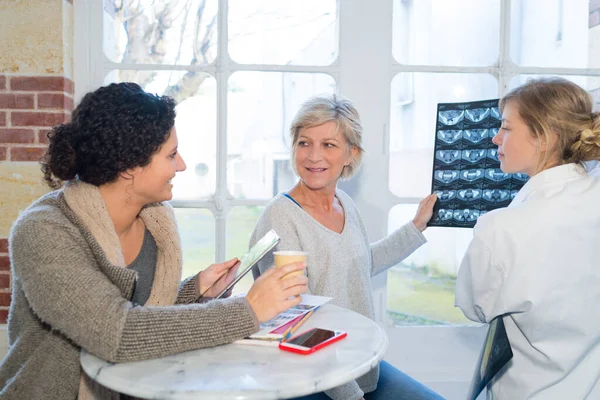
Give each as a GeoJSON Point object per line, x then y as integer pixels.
{"type": "Point", "coordinates": [312, 340]}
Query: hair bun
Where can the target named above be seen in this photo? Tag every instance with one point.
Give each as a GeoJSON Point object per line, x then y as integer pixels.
{"type": "Point", "coordinates": [60, 160]}
{"type": "Point", "coordinates": [586, 136]}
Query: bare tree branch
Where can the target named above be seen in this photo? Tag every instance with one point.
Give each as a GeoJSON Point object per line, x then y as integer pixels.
{"type": "Point", "coordinates": [198, 27]}
{"type": "Point", "coordinates": [207, 40]}
{"type": "Point", "coordinates": [187, 86]}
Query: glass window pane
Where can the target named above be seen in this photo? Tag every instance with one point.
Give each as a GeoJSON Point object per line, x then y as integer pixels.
{"type": "Point", "coordinates": [420, 289]}
{"type": "Point", "coordinates": [177, 32]}
{"type": "Point", "coordinates": [240, 224]}
{"type": "Point", "coordinates": [197, 230]}
{"type": "Point", "coordinates": [589, 83]}
{"type": "Point", "coordinates": [283, 32]}
{"type": "Point", "coordinates": [196, 124]}
{"type": "Point", "coordinates": [553, 34]}
{"type": "Point", "coordinates": [412, 122]}
{"type": "Point", "coordinates": [261, 106]}
{"type": "Point", "coordinates": [441, 32]}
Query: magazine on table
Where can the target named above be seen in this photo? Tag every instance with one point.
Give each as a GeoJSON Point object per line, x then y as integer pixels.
{"type": "Point", "coordinates": [273, 331]}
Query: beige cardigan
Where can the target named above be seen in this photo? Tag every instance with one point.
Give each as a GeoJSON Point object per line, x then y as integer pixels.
{"type": "Point", "coordinates": [70, 291]}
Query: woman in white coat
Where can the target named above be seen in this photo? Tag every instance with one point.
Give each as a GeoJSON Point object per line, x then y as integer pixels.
{"type": "Point", "coordinates": [537, 262]}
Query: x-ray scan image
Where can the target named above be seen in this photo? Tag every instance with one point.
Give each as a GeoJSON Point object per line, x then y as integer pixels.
{"type": "Point", "coordinates": [466, 171]}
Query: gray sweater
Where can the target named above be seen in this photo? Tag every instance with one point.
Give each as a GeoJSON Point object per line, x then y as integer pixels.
{"type": "Point", "coordinates": [66, 296]}
{"type": "Point", "coordinates": [339, 265]}
{"type": "Point", "coordinates": [144, 266]}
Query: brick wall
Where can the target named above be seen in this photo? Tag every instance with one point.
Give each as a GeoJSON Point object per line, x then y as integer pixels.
{"type": "Point", "coordinates": [4, 280]}
{"type": "Point", "coordinates": [29, 107]}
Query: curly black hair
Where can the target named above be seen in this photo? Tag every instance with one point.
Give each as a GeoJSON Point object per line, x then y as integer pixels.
{"type": "Point", "coordinates": [113, 129]}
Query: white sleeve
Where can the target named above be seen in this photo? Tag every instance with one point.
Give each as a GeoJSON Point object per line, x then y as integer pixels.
{"type": "Point", "coordinates": [479, 284]}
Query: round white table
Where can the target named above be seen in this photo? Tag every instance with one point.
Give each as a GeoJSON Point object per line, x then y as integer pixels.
{"type": "Point", "coordinates": [244, 372]}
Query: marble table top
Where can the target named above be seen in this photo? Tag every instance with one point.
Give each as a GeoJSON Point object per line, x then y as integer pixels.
{"type": "Point", "coordinates": [245, 372]}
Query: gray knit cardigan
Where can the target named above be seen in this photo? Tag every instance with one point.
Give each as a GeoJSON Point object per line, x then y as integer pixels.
{"type": "Point", "coordinates": [67, 295]}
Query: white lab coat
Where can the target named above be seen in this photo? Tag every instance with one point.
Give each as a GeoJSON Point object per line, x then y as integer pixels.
{"type": "Point", "coordinates": [538, 261]}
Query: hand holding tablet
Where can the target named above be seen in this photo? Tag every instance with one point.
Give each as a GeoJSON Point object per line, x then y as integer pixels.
{"type": "Point", "coordinates": [258, 251]}
{"type": "Point", "coordinates": [267, 296]}
{"type": "Point", "coordinates": [214, 278]}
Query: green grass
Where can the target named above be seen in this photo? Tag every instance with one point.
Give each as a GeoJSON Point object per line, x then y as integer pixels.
{"type": "Point", "coordinates": [197, 230]}
{"type": "Point", "coordinates": [240, 223]}
{"type": "Point", "coordinates": [412, 294]}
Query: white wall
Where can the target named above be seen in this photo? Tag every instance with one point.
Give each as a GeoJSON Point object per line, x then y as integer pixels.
{"type": "Point", "coordinates": [447, 361]}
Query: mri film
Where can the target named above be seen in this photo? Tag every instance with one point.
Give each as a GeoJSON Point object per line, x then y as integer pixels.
{"type": "Point", "coordinates": [466, 171]}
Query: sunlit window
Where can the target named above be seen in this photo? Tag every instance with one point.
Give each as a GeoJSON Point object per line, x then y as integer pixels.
{"type": "Point", "coordinates": [449, 35]}
{"type": "Point", "coordinates": [232, 121]}
{"type": "Point", "coordinates": [178, 32]}
{"type": "Point", "coordinates": [260, 109]}
{"type": "Point", "coordinates": [240, 69]}
{"type": "Point", "coordinates": [440, 32]}
{"type": "Point", "coordinates": [283, 32]}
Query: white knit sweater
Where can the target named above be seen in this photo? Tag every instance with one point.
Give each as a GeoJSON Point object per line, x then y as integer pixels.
{"type": "Point", "coordinates": [339, 265]}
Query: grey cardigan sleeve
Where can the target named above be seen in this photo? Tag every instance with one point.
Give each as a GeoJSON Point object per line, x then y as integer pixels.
{"type": "Point", "coordinates": [394, 248]}
{"type": "Point", "coordinates": [65, 288]}
{"type": "Point", "coordinates": [187, 291]}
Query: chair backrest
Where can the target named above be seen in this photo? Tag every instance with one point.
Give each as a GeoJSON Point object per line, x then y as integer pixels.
{"type": "Point", "coordinates": [494, 355]}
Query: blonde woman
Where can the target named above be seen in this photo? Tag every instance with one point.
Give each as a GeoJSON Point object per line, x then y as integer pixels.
{"type": "Point", "coordinates": [536, 263]}
{"type": "Point", "coordinates": [317, 217]}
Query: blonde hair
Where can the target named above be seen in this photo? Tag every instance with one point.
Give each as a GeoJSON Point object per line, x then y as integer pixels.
{"type": "Point", "coordinates": [321, 109]}
{"type": "Point", "coordinates": [557, 105]}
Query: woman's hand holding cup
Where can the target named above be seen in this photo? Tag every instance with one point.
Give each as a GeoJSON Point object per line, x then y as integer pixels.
{"type": "Point", "coordinates": [271, 293]}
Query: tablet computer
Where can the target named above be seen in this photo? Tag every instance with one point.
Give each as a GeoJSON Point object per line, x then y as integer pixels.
{"type": "Point", "coordinates": [249, 260]}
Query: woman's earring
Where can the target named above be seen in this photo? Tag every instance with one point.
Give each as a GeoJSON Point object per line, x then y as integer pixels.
{"type": "Point", "coordinates": [128, 194]}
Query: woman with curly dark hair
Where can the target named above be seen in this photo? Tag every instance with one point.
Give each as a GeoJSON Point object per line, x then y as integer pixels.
{"type": "Point", "coordinates": [96, 265]}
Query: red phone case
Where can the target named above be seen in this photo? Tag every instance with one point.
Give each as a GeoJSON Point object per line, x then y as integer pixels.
{"type": "Point", "coordinates": [311, 350]}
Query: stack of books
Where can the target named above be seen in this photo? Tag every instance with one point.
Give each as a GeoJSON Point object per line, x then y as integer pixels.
{"type": "Point", "coordinates": [286, 324]}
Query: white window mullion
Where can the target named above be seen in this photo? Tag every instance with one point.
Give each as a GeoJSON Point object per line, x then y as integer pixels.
{"type": "Point", "coordinates": [365, 61]}
{"type": "Point", "coordinates": [506, 66]}
{"type": "Point", "coordinates": [221, 204]}
{"type": "Point", "coordinates": [88, 68]}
